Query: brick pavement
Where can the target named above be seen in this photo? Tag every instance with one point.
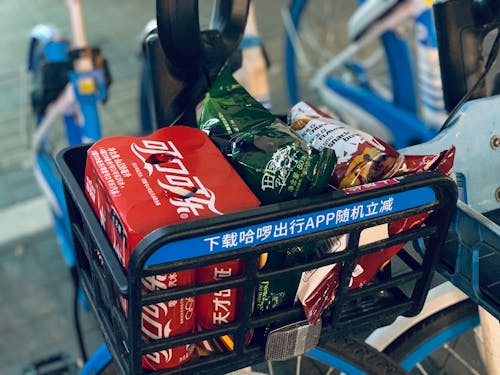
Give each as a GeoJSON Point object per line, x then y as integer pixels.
{"type": "Point", "coordinates": [36, 304]}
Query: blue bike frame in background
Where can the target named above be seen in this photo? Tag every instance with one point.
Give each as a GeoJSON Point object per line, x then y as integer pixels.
{"type": "Point", "coordinates": [416, 110]}
{"type": "Point", "coordinates": [81, 117]}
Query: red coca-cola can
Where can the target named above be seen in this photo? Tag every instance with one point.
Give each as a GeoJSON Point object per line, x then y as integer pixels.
{"type": "Point", "coordinates": [168, 319]}
{"type": "Point", "coordinates": [139, 184]}
{"type": "Point", "coordinates": [219, 307]}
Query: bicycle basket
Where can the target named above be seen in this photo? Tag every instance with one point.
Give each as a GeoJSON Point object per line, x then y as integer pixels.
{"type": "Point", "coordinates": [399, 290]}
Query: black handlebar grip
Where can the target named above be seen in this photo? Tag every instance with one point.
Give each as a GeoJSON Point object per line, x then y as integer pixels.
{"type": "Point", "coordinates": [180, 36]}
{"type": "Point", "coordinates": [179, 32]}
{"type": "Point", "coordinates": [230, 18]}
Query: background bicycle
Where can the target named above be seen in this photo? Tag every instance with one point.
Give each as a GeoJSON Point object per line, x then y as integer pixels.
{"type": "Point", "coordinates": [25, 264]}
{"type": "Point", "coordinates": [380, 72]}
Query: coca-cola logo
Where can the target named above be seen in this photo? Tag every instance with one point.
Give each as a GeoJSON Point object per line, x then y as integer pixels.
{"type": "Point", "coordinates": [183, 308]}
{"type": "Point", "coordinates": [158, 358]}
{"type": "Point", "coordinates": [185, 192]}
{"type": "Point", "coordinates": [160, 282]}
{"type": "Point", "coordinates": [189, 308]}
{"type": "Point", "coordinates": [153, 317]}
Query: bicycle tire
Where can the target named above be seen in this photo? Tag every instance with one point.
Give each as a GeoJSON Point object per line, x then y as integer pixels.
{"type": "Point", "coordinates": [297, 10]}
{"type": "Point", "coordinates": [430, 343]}
{"type": "Point", "coordinates": [343, 355]}
{"type": "Point", "coordinates": [358, 357]}
{"type": "Point", "coordinates": [100, 363]}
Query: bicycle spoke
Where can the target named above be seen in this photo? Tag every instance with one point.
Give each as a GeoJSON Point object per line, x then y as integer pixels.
{"type": "Point", "coordinates": [270, 367]}
{"type": "Point", "coordinates": [460, 359]}
{"type": "Point", "coordinates": [421, 368]}
{"type": "Point", "coordinates": [291, 31]}
{"type": "Point", "coordinates": [447, 358]}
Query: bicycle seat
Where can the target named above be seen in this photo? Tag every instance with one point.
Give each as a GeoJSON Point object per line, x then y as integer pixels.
{"type": "Point", "coordinates": [368, 13]}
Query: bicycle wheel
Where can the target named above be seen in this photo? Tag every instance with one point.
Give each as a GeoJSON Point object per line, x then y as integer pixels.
{"type": "Point", "coordinates": [366, 88]}
{"type": "Point", "coordinates": [344, 355]}
{"type": "Point", "coordinates": [316, 31]}
{"type": "Point", "coordinates": [443, 343]}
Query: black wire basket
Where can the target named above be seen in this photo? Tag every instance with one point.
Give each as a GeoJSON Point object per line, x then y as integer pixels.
{"type": "Point", "coordinates": [400, 289]}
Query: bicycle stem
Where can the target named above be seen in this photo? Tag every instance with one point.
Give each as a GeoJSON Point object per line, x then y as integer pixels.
{"type": "Point", "coordinates": [79, 38]}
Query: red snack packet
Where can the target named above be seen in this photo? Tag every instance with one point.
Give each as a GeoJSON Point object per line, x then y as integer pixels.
{"type": "Point", "coordinates": [138, 184]}
{"type": "Point", "coordinates": [363, 159]}
{"type": "Point", "coordinates": [372, 263]}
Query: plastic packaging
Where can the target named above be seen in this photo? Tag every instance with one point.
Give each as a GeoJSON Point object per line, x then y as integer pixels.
{"type": "Point", "coordinates": [274, 162]}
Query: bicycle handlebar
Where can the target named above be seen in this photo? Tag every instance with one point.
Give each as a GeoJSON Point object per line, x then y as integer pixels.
{"type": "Point", "coordinates": [180, 35]}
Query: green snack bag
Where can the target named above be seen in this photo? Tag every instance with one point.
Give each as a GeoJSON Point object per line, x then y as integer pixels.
{"type": "Point", "coordinates": [229, 108]}
{"type": "Point", "coordinates": [275, 163]}
{"type": "Point", "coordinates": [280, 293]}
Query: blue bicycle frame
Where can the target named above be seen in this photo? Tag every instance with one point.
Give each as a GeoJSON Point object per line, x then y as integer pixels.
{"type": "Point", "coordinates": [82, 123]}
